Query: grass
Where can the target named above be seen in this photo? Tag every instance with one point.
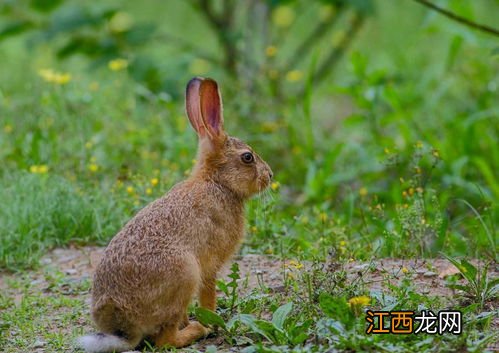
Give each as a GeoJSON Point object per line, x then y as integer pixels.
{"type": "Point", "coordinates": [393, 158]}
{"type": "Point", "coordinates": [312, 307]}
{"type": "Point", "coordinates": [45, 211]}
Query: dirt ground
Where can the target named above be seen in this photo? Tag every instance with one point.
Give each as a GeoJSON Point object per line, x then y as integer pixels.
{"type": "Point", "coordinates": [428, 276]}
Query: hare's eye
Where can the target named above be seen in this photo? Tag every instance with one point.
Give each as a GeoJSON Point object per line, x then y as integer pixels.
{"type": "Point", "coordinates": [247, 157]}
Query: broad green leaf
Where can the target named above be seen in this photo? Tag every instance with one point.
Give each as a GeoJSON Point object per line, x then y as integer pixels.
{"type": "Point", "coordinates": [469, 271]}
{"type": "Point", "coordinates": [299, 338]}
{"type": "Point", "coordinates": [252, 323]}
{"type": "Point", "coordinates": [462, 269]}
{"type": "Point", "coordinates": [223, 287]}
{"type": "Point", "coordinates": [460, 287]}
{"type": "Point", "coordinates": [208, 317]}
{"type": "Point", "coordinates": [281, 314]}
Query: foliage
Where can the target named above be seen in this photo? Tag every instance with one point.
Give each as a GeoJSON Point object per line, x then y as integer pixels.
{"type": "Point", "coordinates": [479, 287]}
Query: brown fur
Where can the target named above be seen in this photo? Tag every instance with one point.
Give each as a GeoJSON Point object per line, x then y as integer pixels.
{"type": "Point", "coordinates": [174, 247]}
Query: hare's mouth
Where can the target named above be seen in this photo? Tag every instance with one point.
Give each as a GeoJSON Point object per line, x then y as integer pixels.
{"type": "Point", "coordinates": [263, 183]}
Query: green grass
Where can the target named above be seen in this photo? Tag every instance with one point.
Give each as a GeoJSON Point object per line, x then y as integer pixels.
{"type": "Point", "coordinates": [44, 211]}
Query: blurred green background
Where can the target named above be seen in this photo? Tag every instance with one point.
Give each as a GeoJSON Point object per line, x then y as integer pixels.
{"type": "Point", "coordinates": [379, 119]}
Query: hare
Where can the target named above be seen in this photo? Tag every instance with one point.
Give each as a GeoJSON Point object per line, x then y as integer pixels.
{"type": "Point", "coordinates": [174, 247]}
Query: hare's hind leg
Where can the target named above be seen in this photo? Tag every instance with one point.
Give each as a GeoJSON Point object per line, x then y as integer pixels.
{"type": "Point", "coordinates": [172, 336]}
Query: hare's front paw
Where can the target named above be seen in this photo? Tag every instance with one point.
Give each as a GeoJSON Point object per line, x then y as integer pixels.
{"type": "Point", "coordinates": [197, 326]}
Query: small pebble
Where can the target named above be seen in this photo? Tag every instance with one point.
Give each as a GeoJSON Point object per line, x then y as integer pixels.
{"type": "Point", "coordinates": [39, 344]}
{"type": "Point", "coordinates": [360, 267]}
{"type": "Point", "coordinates": [429, 274]}
{"type": "Point", "coordinates": [71, 271]}
{"type": "Point", "coordinates": [46, 261]}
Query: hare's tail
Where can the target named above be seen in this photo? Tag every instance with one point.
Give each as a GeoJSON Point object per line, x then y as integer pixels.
{"type": "Point", "coordinates": [104, 343]}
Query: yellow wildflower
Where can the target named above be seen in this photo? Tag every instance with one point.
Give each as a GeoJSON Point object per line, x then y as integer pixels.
{"type": "Point", "coordinates": [148, 191]}
{"type": "Point", "coordinates": [404, 269]}
{"type": "Point", "coordinates": [294, 75]}
{"type": "Point", "coordinates": [269, 251]}
{"type": "Point", "coordinates": [39, 169]}
{"type": "Point", "coordinates": [283, 16]}
{"type": "Point", "coordinates": [419, 144]}
{"type": "Point", "coordinates": [297, 265]}
{"type": "Point", "coordinates": [304, 219]}
{"type": "Point", "coordinates": [130, 189]}
{"type": "Point", "coordinates": [363, 191]}
{"type": "Point", "coordinates": [363, 300]}
{"type": "Point", "coordinates": [418, 170]}
{"type": "Point", "coordinates": [93, 167]}
{"type": "Point", "coordinates": [7, 129]}
{"type": "Point", "coordinates": [436, 154]}
{"type": "Point", "coordinates": [275, 185]}
{"type": "Point", "coordinates": [411, 191]}
{"type": "Point", "coordinates": [323, 216]}
{"type": "Point", "coordinates": [120, 22]}
{"type": "Point", "coordinates": [154, 181]}
{"type": "Point", "coordinates": [117, 64]}
{"type": "Point", "coordinates": [271, 51]}
{"type": "Point", "coordinates": [54, 76]}
{"type": "Point", "coordinates": [343, 243]}
{"type": "Point", "coordinates": [254, 229]}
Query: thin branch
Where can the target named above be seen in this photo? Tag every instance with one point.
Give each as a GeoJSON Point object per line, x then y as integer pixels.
{"type": "Point", "coordinates": [457, 18]}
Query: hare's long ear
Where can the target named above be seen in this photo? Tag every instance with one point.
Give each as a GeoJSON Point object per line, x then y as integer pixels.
{"type": "Point", "coordinates": [193, 107]}
{"type": "Point", "coordinates": [211, 109]}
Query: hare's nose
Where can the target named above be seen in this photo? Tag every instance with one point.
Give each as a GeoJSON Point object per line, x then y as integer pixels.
{"type": "Point", "coordinates": [270, 174]}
